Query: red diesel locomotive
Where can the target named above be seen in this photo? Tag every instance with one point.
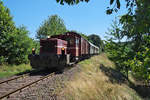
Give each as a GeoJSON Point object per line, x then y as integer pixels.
{"type": "Point", "coordinates": [60, 50]}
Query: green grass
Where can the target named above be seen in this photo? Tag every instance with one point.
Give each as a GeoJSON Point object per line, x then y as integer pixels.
{"type": "Point", "coordinates": [10, 70]}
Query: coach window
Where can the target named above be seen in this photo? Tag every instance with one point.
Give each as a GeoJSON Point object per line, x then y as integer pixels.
{"type": "Point", "coordinates": [77, 41]}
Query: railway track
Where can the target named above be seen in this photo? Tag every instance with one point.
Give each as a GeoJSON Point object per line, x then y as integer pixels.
{"type": "Point", "coordinates": [18, 84]}
{"type": "Point", "coordinates": [14, 78]}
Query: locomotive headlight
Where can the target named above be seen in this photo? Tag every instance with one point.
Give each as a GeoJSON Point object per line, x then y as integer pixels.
{"type": "Point", "coordinates": [63, 48]}
{"type": "Point", "coordinates": [33, 49]}
{"type": "Point", "coordinates": [48, 36]}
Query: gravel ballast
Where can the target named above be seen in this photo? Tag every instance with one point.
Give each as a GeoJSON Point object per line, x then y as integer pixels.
{"type": "Point", "coordinates": [48, 89]}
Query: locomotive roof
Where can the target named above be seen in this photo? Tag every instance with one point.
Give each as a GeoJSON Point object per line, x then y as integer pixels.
{"type": "Point", "coordinates": [74, 33]}
{"type": "Point", "coordinates": [52, 39]}
{"type": "Point", "coordinates": [70, 33]}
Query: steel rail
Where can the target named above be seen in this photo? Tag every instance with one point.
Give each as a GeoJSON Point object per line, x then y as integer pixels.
{"type": "Point", "coordinates": [13, 78]}
{"type": "Point", "coordinates": [25, 86]}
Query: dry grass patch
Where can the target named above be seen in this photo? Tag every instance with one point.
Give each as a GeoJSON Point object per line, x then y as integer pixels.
{"type": "Point", "coordinates": [93, 84]}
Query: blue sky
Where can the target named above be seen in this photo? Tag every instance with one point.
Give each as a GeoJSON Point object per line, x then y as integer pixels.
{"type": "Point", "coordinates": [88, 18]}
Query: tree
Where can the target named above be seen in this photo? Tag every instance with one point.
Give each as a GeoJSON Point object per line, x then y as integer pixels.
{"type": "Point", "coordinates": [15, 44]}
{"type": "Point", "coordinates": [135, 28]}
{"type": "Point", "coordinates": [115, 31]}
{"type": "Point", "coordinates": [52, 26]}
{"type": "Point", "coordinates": [7, 28]}
{"type": "Point", "coordinates": [118, 51]}
{"type": "Point", "coordinates": [20, 46]}
{"type": "Point", "coordinates": [95, 39]}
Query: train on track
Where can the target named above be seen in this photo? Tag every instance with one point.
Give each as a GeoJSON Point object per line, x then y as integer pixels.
{"type": "Point", "coordinates": [60, 50]}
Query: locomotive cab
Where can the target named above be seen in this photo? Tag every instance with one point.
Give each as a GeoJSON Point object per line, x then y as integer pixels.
{"type": "Point", "coordinates": [52, 54]}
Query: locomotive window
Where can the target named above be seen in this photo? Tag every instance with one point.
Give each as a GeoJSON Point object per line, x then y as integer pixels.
{"type": "Point", "coordinates": [47, 46]}
{"type": "Point", "coordinates": [70, 41]}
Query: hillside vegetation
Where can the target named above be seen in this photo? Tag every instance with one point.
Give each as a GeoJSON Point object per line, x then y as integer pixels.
{"type": "Point", "coordinates": [98, 80]}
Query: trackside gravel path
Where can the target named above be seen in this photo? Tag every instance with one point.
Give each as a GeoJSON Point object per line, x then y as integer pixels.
{"type": "Point", "coordinates": [48, 89]}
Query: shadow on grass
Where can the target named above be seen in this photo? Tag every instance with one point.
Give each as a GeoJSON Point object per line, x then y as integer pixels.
{"type": "Point", "coordinates": [142, 90]}
{"type": "Point", "coordinates": [113, 75]}
{"type": "Point", "coordinates": [117, 77]}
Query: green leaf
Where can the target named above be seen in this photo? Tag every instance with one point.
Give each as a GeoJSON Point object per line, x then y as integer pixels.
{"type": "Point", "coordinates": [118, 4]}
{"type": "Point", "coordinates": [77, 1]}
{"type": "Point", "coordinates": [57, 0]}
{"type": "Point", "coordinates": [111, 2]}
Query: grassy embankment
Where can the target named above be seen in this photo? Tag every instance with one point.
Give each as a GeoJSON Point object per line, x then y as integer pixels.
{"type": "Point", "coordinates": [98, 80]}
{"type": "Point", "coordinates": [9, 70]}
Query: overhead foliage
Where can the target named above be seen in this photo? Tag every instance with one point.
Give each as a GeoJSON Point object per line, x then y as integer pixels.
{"type": "Point", "coordinates": [114, 4]}
{"type": "Point", "coordinates": [54, 25]}
{"type": "Point", "coordinates": [71, 2]}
